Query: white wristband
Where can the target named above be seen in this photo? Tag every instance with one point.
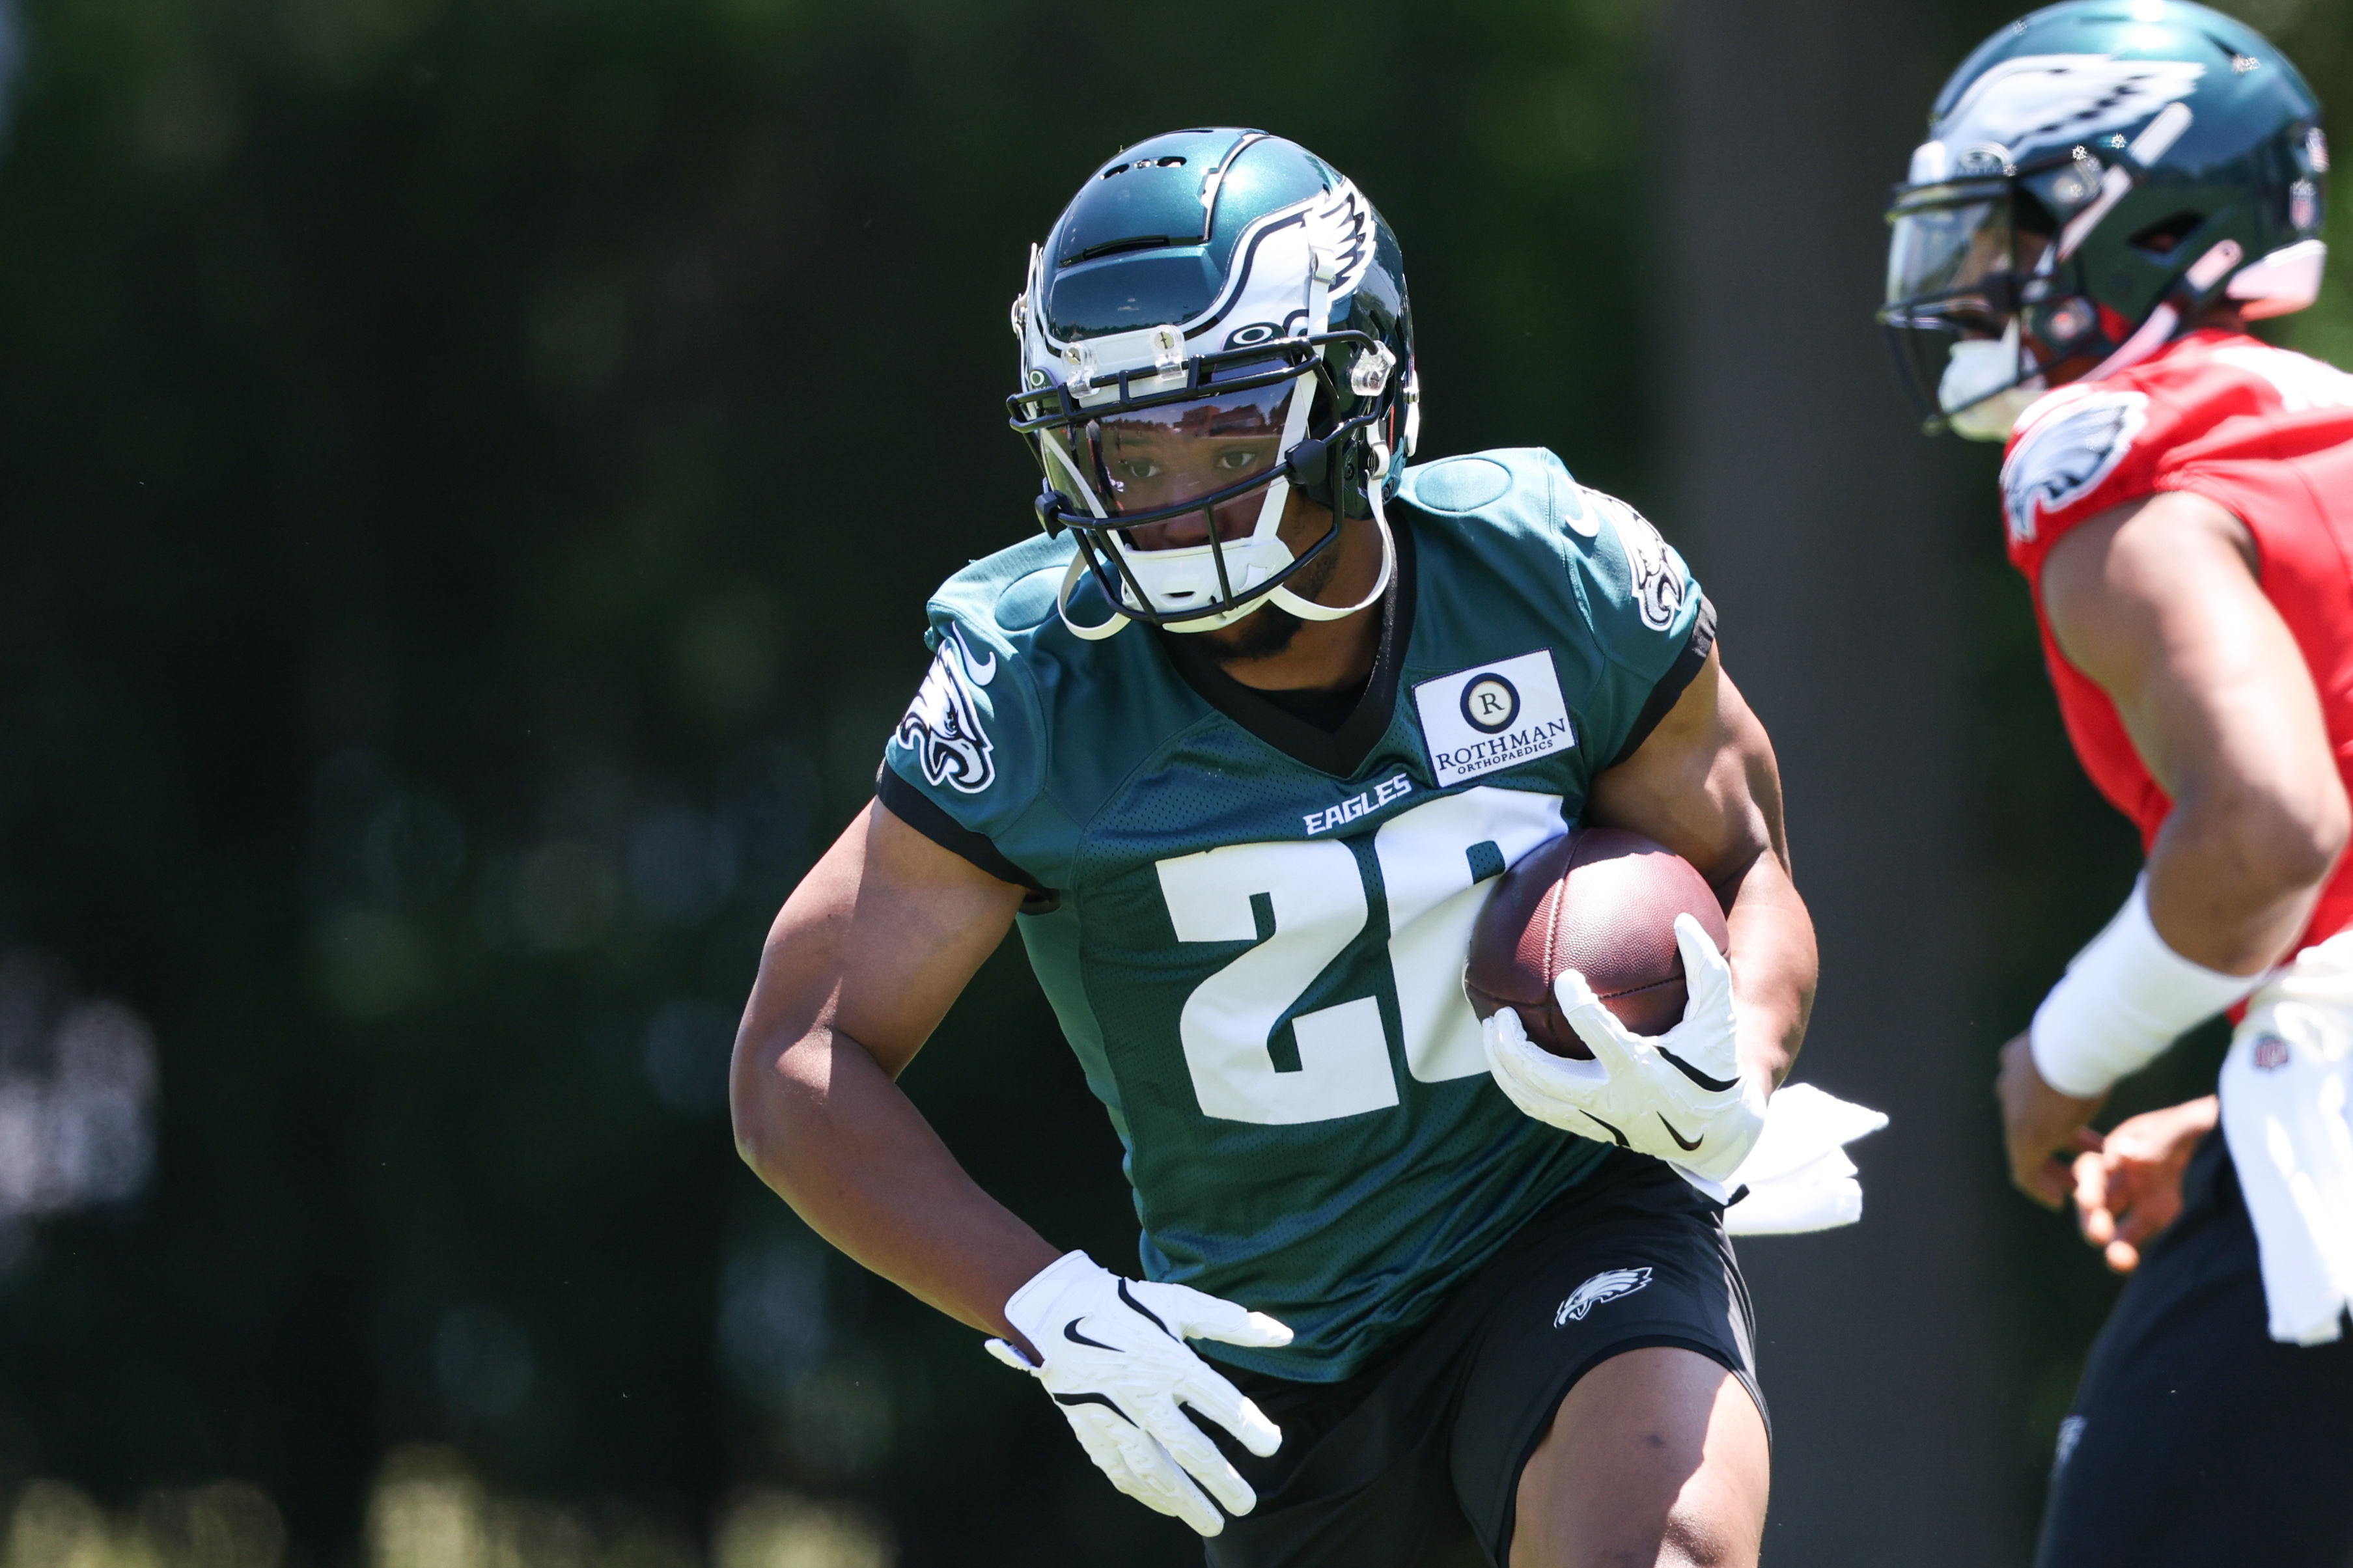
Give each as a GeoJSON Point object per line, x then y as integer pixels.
{"type": "Point", "coordinates": [2124, 999]}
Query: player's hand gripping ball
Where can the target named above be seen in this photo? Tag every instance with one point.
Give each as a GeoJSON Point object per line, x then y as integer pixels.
{"type": "Point", "coordinates": [1602, 902]}
{"type": "Point", "coordinates": [1609, 941]}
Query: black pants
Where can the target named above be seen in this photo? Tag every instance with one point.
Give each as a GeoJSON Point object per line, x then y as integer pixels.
{"type": "Point", "coordinates": [2196, 1439]}
{"type": "Point", "coordinates": [1418, 1453]}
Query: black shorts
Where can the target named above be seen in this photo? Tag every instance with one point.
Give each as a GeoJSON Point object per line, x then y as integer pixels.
{"type": "Point", "coordinates": [2196, 1438]}
{"type": "Point", "coordinates": [1418, 1456]}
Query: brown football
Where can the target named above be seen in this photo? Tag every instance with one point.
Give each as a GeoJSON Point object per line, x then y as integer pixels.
{"type": "Point", "coordinates": [1602, 902]}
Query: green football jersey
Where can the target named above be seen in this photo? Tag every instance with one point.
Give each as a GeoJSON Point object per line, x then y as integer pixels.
{"type": "Point", "coordinates": [1252, 929]}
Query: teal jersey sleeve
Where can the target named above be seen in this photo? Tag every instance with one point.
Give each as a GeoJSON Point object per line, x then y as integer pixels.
{"type": "Point", "coordinates": [966, 763]}
{"type": "Point", "coordinates": [1651, 624]}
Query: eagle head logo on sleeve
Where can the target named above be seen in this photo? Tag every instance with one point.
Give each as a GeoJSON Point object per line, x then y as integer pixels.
{"type": "Point", "coordinates": [2066, 453]}
{"type": "Point", "coordinates": [1605, 1285]}
{"type": "Point", "coordinates": [1658, 586]}
{"type": "Point", "coordinates": [942, 724]}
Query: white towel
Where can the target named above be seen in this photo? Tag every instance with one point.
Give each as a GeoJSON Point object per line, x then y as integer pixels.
{"type": "Point", "coordinates": [2285, 1096]}
{"type": "Point", "coordinates": [1799, 1176]}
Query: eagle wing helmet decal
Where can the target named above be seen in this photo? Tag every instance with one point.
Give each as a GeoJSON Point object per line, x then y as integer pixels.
{"type": "Point", "coordinates": [1605, 1285]}
{"type": "Point", "coordinates": [2066, 453]}
{"type": "Point", "coordinates": [2036, 95]}
{"type": "Point", "coordinates": [942, 724]}
{"type": "Point", "coordinates": [1268, 297]}
{"type": "Point", "coordinates": [1341, 226]}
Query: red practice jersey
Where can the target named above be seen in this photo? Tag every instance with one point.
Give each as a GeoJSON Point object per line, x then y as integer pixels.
{"type": "Point", "coordinates": [2266, 433]}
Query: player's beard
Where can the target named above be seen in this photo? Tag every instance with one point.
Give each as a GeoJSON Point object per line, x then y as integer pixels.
{"type": "Point", "coordinates": [1268, 630]}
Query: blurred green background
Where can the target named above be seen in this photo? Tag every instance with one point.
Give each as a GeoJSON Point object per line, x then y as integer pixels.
{"type": "Point", "coordinates": [470, 475]}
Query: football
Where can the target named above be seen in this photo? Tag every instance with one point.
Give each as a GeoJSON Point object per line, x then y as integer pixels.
{"type": "Point", "coordinates": [1600, 900]}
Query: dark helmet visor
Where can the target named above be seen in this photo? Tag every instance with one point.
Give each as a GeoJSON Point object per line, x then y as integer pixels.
{"type": "Point", "coordinates": [1951, 259]}
{"type": "Point", "coordinates": [1149, 460]}
{"type": "Point", "coordinates": [1957, 262]}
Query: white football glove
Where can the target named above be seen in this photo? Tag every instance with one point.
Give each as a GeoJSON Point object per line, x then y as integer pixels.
{"type": "Point", "coordinates": [1680, 1097]}
{"type": "Point", "coordinates": [1117, 1363]}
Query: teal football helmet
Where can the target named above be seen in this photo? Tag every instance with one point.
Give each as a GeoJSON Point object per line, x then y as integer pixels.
{"type": "Point", "coordinates": [2098, 176]}
{"type": "Point", "coordinates": [1217, 319]}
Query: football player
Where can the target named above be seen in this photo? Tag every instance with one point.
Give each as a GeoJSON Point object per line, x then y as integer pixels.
{"type": "Point", "coordinates": [2110, 193]}
{"type": "Point", "coordinates": [1239, 742]}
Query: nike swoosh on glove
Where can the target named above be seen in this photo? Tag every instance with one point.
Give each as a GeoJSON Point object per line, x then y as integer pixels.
{"type": "Point", "coordinates": [1680, 1096]}
{"type": "Point", "coordinates": [1117, 1363]}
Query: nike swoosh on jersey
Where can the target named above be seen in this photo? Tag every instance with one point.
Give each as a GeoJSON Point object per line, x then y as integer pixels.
{"type": "Point", "coordinates": [981, 671]}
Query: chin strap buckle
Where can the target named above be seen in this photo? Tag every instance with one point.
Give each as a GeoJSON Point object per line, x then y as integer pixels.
{"type": "Point", "coordinates": [1051, 505]}
{"type": "Point", "coordinates": [1308, 462]}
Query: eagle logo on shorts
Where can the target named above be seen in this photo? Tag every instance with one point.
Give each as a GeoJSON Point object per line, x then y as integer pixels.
{"type": "Point", "coordinates": [942, 724]}
{"type": "Point", "coordinates": [2066, 453]}
{"type": "Point", "coordinates": [1605, 1285]}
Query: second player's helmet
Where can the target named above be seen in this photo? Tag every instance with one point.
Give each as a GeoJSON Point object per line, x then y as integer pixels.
{"type": "Point", "coordinates": [1217, 317]}
{"type": "Point", "coordinates": [2097, 174]}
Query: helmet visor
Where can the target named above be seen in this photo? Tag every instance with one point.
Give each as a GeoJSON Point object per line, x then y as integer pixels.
{"type": "Point", "coordinates": [1953, 260]}
{"type": "Point", "coordinates": [1219, 450]}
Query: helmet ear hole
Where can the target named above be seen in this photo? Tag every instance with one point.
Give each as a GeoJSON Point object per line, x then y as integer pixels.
{"type": "Point", "coordinates": [2164, 237]}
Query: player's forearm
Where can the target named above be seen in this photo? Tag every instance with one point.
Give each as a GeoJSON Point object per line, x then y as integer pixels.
{"type": "Point", "coordinates": [1774, 966]}
{"type": "Point", "coordinates": [830, 1132]}
{"type": "Point", "coordinates": [2235, 872]}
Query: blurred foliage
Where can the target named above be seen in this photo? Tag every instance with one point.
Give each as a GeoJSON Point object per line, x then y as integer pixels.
{"type": "Point", "coordinates": [471, 479]}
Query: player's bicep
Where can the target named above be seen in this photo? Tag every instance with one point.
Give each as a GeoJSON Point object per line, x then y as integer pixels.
{"type": "Point", "coordinates": [877, 942]}
{"type": "Point", "coordinates": [2159, 603]}
{"type": "Point", "coordinates": [1704, 783]}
